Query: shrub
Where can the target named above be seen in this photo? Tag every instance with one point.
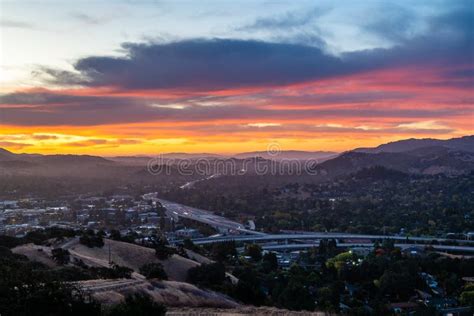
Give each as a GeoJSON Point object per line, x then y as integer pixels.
{"type": "Point", "coordinates": [139, 305]}
{"type": "Point", "coordinates": [207, 275]}
{"type": "Point", "coordinates": [153, 271]}
{"type": "Point", "coordinates": [61, 256]}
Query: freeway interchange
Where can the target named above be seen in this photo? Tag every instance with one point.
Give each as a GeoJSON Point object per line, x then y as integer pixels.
{"type": "Point", "coordinates": [234, 231]}
{"type": "Point", "coordinates": [222, 224]}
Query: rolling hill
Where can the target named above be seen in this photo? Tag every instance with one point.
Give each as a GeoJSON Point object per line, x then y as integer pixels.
{"type": "Point", "coordinates": [465, 143]}
{"type": "Point", "coordinates": [174, 292]}
{"type": "Point", "coordinates": [425, 156]}
{"type": "Point", "coordinates": [289, 154]}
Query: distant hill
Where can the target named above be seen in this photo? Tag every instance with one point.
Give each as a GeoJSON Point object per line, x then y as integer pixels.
{"type": "Point", "coordinates": [188, 155]}
{"type": "Point", "coordinates": [80, 166]}
{"type": "Point", "coordinates": [419, 156]}
{"type": "Point", "coordinates": [289, 154]}
{"type": "Point", "coordinates": [465, 143]}
{"type": "Point", "coordinates": [131, 160]}
{"type": "Point", "coordinates": [450, 157]}
{"type": "Point", "coordinates": [6, 155]}
{"type": "Point", "coordinates": [71, 159]}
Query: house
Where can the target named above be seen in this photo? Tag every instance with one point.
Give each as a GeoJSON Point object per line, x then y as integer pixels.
{"type": "Point", "coordinates": [187, 233]}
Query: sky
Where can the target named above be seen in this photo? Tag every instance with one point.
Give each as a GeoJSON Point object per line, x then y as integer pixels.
{"type": "Point", "coordinates": [148, 77]}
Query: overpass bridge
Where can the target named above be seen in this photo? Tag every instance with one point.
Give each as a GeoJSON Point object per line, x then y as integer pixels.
{"type": "Point", "coordinates": [222, 224]}
{"type": "Point", "coordinates": [287, 238]}
{"type": "Point", "coordinates": [293, 247]}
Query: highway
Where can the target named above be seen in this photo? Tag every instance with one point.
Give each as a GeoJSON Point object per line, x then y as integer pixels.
{"type": "Point", "coordinates": [290, 241]}
{"type": "Point", "coordinates": [350, 245]}
{"type": "Point", "coordinates": [190, 184]}
{"type": "Point", "coordinates": [317, 235]}
{"type": "Point", "coordinates": [223, 224]}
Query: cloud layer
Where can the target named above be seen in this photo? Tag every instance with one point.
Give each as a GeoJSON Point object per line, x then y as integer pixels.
{"type": "Point", "coordinates": [201, 89]}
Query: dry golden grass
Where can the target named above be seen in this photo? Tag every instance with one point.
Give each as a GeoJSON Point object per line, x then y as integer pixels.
{"type": "Point", "coordinates": [40, 254]}
{"type": "Point", "coordinates": [133, 256]}
{"type": "Point", "coordinates": [169, 293]}
{"type": "Point", "coordinates": [239, 311]}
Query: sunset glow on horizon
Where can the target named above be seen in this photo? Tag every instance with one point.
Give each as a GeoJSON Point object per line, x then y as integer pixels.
{"type": "Point", "coordinates": [128, 79]}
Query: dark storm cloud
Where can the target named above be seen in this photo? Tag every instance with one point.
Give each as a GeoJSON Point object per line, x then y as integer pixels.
{"type": "Point", "coordinates": [210, 64]}
{"type": "Point", "coordinates": [206, 64]}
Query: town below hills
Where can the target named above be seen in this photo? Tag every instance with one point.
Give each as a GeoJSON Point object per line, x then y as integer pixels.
{"type": "Point", "coordinates": [375, 231]}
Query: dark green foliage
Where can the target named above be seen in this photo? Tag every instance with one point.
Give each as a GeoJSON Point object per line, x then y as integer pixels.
{"type": "Point", "coordinates": [296, 297]}
{"type": "Point", "coordinates": [373, 201]}
{"type": "Point", "coordinates": [163, 252]}
{"type": "Point", "coordinates": [61, 256]}
{"type": "Point", "coordinates": [9, 242]}
{"type": "Point", "coordinates": [254, 251]}
{"type": "Point", "coordinates": [467, 298]}
{"type": "Point", "coordinates": [207, 275]}
{"type": "Point", "coordinates": [249, 289]}
{"type": "Point", "coordinates": [29, 288]}
{"type": "Point", "coordinates": [91, 240]}
{"type": "Point", "coordinates": [153, 271]}
{"type": "Point", "coordinates": [118, 272]}
{"type": "Point", "coordinates": [138, 305]}
{"type": "Point", "coordinates": [398, 285]}
{"type": "Point", "coordinates": [50, 298]}
{"type": "Point", "coordinates": [223, 251]}
{"type": "Point", "coordinates": [188, 244]}
{"type": "Point", "coordinates": [269, 262]}
{"type": "Point", "coordinates": [115, 235]}
{"type": "Point", "coordinates": [37, 237]}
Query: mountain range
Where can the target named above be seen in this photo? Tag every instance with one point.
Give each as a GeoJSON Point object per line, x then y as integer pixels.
{"type": "Point", "coordinates": [289, 154]}
{"type": "Point", "coordinates": [420, 156]}
{"type": "Point", "coordinates": [417, 156]}
{"type": "Point", "coordinates": [465, 143]}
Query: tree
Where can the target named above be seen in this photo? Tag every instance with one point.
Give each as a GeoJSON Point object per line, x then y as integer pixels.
{"type": "Point", "coordinates": [61, 256]}
{"type": "Point", "coordinates": [296, 297]}
{"type": "Point", "coordinates": [138, 304]}
{"type": "Point", "coordinates": [467, 298]}
{"type": "Point", "coordinates": [120, 272]}
{"type": "Point", "coordinates": [162, 223]}
{"type": "Point", "coordinates": [248, 290]}
{"type": "Point", "coordinates": [153, 271]}
{"type": "Point", "coordinates": [163, 252]}
{"type": "Point", "coordinates": [397, 285]}
{"type": "Point", "coordinates": [270, 262]}
{"type": "Point", "coordinates": [46, 298]}
{"type": "Point", "coordinates": [223, 251]}
{"type": "Point", "coordinates": [115, 235]}
{"type": "Point", "coordinates": [254, 251]}
{"type": "Point", "coordinates": [92, 240]}
{"type": "Point", "coordinates": [188, 244]}
{"type": "Point", "coordinates": [207, 275]}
